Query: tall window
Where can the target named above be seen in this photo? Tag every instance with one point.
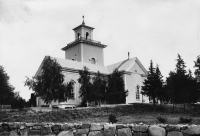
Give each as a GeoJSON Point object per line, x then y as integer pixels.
{"type": "Point", "coordinates": [93, 61]}
{"type": "Point", "coordinates": [87, 35]}
{"type": "Point", "coordinates": [72, 89]}
{"type": "Point", "coordinates": [137, 92]}
{"type": "Point", "coordinates": [78, 36]}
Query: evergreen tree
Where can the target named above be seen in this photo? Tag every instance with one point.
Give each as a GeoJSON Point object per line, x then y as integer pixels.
{"type": "Point", "coordinates": [149, 88]}
{"type": "Point", "coordinates": [197, 75]}
{"type": "Point", "coordinates": [192, 89]}
{"type": "Point", "coordinates": [181, 80]}
{"type": "Point", "coordinates": [49, 84]}
{"type": "Point", "coordinates": [32, 100]}
{"type": "Point", "coordinates": [115, 92]}
{"type": "Point", "coordinates": [159, 85]}
{"type": "Point", "coordinates": [85, 92]}
{"type": "Point", "coordinates": [99, 87]}
{"type": "Point", "coordinates": [177, 83]}
{"type": "Point", "coordinates": [6, 90]}
{"type": "Point", "coordinates": [197, 70]}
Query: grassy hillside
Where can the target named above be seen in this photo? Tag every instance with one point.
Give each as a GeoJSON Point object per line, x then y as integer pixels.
{"type": "Point", "coordinates": [135, 113]}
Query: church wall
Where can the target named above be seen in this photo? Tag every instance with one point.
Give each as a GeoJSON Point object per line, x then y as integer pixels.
{"type": "Point", "coordinates": [71, 52]}
{"type": "Point", "coordinates": [73, 76]}
{"type": "Point", "coordinates": [68, 77]}
{"type": "Point", "coordinates": [131, 83]}
{"type": "Point", "coordinates": [93, 52]}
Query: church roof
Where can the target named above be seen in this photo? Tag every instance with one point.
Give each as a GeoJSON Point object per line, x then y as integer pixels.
{"type": "Point", "coordinates": [84, 40]}
{"type": "Point", "coordinates": [70, 65]}
{"type": "Point", "coordinates": [122, 65]}
{"type": "Point", "coordinates": [83, 25]}
{"type": "Point", "coordinates": [125, 65]}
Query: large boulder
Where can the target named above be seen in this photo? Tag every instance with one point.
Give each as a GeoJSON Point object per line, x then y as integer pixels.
{"type": "Point", "coordinates": [96, 127]}
{"type": "Point", "coordinates": [5, 127]}
{"type": "Point", "coordinates": [95, 133]}
{"type": "Point", "coordinates": [124, 132]}
{"type": "Point", "coordinates": [13, 133]}
{"type": "Point", "coordinates": [83, 126]}
{"type": "Point", "coordinates": [174, 133]}
{"type": "Point", "coordinates": [109, 130]}
{"type": "Point", "coordinates": [120, 126]}
{"type": "Point", "coordinates": [66, 127]}
{"type": "Point", "coordinates": [24, 132]}
{"type": "Point", "coordinates": [172, 128]}
{"type": "Point", "coordinates": [156, 131]}
{"type": "Point", "coordinates": [4, 133]}
{"type": "Point", "coordinates": [140, 128]}
{"type": "Point", "coordinates": [83, 131]}
{"type": "Point", "coordinates": [192, 130]}
{"type": "Point", "coordinates": [56, 129]}
{"type": "Point", "coordinates": [34, 132]}
{"type": "Point", "coordinates": [140, 134]}
{"type": "Point", "coordinates": [46, 130]}
{"type": "Point", "coordinates": [66, 133]}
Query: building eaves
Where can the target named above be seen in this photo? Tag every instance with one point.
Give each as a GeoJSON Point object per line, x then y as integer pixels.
{"type": "Point", "coordinates": [90, 42]}
{"type": "Point", "coordinates": [82, 25]}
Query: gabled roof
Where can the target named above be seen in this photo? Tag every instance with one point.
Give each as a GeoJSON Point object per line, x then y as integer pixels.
{"type": "Point", "coordinates": [70, 65]}
{"type": "Point", "coordinates": [83, 25]}
{"type": "Point", "coordinates": [125, 65]}
{"type": "Point", "coordinates": [75, 65]}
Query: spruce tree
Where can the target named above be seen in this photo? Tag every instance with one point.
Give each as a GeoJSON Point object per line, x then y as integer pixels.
{"type": "Point", "coordinates": [99, 87]}
{"type": "Point", "coordinates": [197, 68]}
{"type": "Point", "coordinates": [115, 92]}
{"type": "Point", "coordinates": [182, 80]}
{"type": "Point", "coordinates": [159, 85]}
{"type": "Point", "coordinates": [149, 88]}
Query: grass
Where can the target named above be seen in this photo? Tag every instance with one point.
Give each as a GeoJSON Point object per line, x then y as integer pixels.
{"type": "Point", "coordinates": [134, 113]}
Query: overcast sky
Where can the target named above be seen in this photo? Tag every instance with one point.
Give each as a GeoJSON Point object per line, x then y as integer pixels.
{"type": "Point", "coordinates": [149, 29]}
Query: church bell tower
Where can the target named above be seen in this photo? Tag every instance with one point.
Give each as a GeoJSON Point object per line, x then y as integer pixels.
{"type": "Point", "coordinates": [84, 48]}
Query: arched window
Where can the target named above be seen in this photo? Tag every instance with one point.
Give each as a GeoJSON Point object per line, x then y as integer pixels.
{"type": "Point", "coordinates": [137, 92]}
{"type": "Point", "coordinates": [78, 36]}
{"type": "Point", "coordinates": [93, 61]}
{"type": "Point", "coordinates": [71, 87]}
{"type": "Point", "coordinates": [87, 36]}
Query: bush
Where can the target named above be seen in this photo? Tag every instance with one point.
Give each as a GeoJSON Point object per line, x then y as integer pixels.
{"type": "Point", "coordinates": [185, 120]}
{"type": "Point", "coordinates": [162, 119]}
{"type": "Point", "coordinates": [112, 118]}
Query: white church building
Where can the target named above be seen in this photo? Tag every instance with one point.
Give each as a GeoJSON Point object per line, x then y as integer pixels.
{"type": "Point", "coordinates": [84, 51]}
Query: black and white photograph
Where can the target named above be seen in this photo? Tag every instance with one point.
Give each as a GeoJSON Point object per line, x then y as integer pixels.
{"type": "Point", "coordinates": [99, 67]}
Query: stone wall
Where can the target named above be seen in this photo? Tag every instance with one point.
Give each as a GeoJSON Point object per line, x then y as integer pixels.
{"type": "Point", "coordinates": [103, 129]}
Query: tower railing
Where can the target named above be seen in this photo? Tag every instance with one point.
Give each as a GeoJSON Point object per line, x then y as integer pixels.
{"type": "Point", "coordinates": [84, 39]}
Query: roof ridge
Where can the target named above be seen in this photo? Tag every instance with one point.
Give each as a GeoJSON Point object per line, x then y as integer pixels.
{"type": "Point", "coordinates": [122, 63]}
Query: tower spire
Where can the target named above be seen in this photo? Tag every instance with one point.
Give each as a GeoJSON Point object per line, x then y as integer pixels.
{"type": "Point", "coordinates": [83, 23]}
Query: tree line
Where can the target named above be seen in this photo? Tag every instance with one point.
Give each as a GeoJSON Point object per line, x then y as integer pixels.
{"type": "Point", "coordinates": [7, 94]}
{"type": "Point", "coordinates": [98, 87]}
{"type": "Point", "coordinates": [180, 86]}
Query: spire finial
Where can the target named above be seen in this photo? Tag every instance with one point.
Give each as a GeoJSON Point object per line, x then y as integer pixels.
{"type": "Point", "coordinates": [83, 23]}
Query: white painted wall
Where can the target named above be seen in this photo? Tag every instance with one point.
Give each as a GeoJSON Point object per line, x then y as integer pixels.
{"type": "Point", "coordinates": [131, 81]}
{"type": "Point", "coordinates": [90, 51]}
{"type": "Point", "coordinates": [71, 52]}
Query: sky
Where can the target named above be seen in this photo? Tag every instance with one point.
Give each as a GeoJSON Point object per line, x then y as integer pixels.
{"type": "Point", "coordinates": [154, 30]}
